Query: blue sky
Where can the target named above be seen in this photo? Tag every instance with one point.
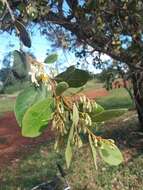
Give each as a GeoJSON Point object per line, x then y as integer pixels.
{"type": "Point", "coordinates": [40, 45]}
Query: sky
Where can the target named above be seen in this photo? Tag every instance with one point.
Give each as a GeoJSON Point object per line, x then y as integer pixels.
{"type": "Point", "coordinates": [40, 45]}
{"type": "Point", "coordinates": [39, 48]}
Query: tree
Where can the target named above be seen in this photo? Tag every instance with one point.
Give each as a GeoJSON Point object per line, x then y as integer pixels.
{"type": "Point", "coordinates": [114, 71]}
{"type": "Point", "coordinates": [113, 27]}
{"type": "Point", "coordinates": [13, 72]}
{"type": "Point", "coordinates": [74, 120]}
{"type": "Point", "coordinates": [107, 76]}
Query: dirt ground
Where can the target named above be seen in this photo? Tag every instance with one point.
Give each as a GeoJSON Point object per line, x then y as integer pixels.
{"type": "Point", "coordinates": [12, 143]}
{"type": "Point", "coordinates": [93, 94]}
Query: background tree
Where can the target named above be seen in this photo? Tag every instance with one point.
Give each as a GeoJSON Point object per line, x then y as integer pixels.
{"type": "Point", "coordinates": [115, 71]}
{"type": "Point", "coordinates": [113, 27]}
{"type": "Point", "coordinates": [12, 73]}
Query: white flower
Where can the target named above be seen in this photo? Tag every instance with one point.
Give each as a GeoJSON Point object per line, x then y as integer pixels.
{"type": "Point", "coordinates": [33, 72]}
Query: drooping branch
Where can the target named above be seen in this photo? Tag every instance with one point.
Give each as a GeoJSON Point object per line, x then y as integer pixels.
{"type": "Point", "coordinates": [72, 4]}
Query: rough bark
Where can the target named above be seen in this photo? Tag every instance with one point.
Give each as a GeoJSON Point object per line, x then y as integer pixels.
{"type": "Point", "coordinates": [137, 79]}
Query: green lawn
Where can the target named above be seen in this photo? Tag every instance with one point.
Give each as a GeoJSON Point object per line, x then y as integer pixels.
{"type": "Point", "coordinates": [40, 165]}
{"type": "Point", "coordinates": [6, 104]}
{"type": "Point", "coordinates": [117, 98]}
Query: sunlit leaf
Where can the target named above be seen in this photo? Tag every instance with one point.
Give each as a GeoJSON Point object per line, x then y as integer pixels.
{"type": "Point", "coordinates": [108, 115]}
{"type": "Point", "coordinates": [96, 109]}
{"type": "Point", "coordinates": [75, 115]}
{"type": "Point", "coordinates": [68, 152]}
{"type": "Point", "coordinates": [51, 58]}
{"type": "Point", "coordinates": [61, 87]}
{"type": "Point", "coordinates": [93, 149]}
{"type": "Point", "coordinates": [23, 101]}
{"type": "Point", "coordinates": [37, 117]}
{"type": "Point", "coordinates": [110, 154]}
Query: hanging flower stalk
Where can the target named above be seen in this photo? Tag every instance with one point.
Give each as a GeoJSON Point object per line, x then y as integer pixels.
{"type": "Point", "coordinates": [74, 121]}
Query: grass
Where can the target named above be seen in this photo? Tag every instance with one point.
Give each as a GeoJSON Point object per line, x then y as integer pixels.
{"type": "Point", "coordinates": [41, 166]}
{"type": "Point", "coordinates": [6, 104]}
{"type": "Point", "coordinates": [10, 89]}
{"type": "Point", "coordinates": [117, 98]}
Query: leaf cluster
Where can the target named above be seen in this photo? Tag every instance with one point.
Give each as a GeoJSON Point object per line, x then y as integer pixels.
{"type": "Point", "coordinates": [74, 122]}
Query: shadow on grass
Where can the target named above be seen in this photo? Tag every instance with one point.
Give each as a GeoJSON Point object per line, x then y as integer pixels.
{"type": "Point", "coordinates": [125, 130]}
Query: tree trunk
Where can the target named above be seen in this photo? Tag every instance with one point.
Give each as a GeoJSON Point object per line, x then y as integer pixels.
{"type": "Point", "coordinates": [137, 79]}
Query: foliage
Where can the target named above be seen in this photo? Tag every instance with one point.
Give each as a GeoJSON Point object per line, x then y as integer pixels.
{"type": "Point", "coordinates": [19, 65]}
{"type": "Point", "coordinates": [108, 75]}
{"type": "Point", "coordinates": [110, 154]}
{"type": "Point", "coordinates": [61, 87]}
{"type": "Point", "coordinates": [110, 27]}
{"type": "Point", "coordinates": [99, 22]}
{"type": "Point", "coordinates": [107, 115]}
{"type": "Point", "coordinates": [15, 76]}
{"type": "Point", "coordinates": [24, 100]}
{"type": "Point", "coordinates": [51, 58]}
{"type": "Point", "coordinates": [37, 117]}
{"type": "Point", "coordinates": [72, 121]}
{"type": "Point", "coordinates": [74, 77]}
{"type": "Point", "coordinates": [23, 34]}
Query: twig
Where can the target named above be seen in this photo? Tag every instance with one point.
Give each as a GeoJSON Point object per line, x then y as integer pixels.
{"type": "Point", "coordinates": [9, 9]}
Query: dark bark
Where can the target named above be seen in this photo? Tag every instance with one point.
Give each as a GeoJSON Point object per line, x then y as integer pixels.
{"type": "Point", "coordinates": [137, 79]}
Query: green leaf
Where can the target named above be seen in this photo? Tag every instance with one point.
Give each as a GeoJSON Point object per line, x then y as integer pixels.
{"type": "Point", "coordinates": [61, 87]}
{"type": "Point", "coordinates": [110, 154]}
{"type": "Point", "coordinates": [23, 101]}
{"type": "Point", "coordinates": [27, 98]}
{"type": "Point", "coordinates": [23, 34]}
{"type": "Point", "coordinates": [74, 77]}
{"type": "Point", "coordinates": [68, 155]}
{"type": "Point", "coordinates": [68, 152]}
{"type": "Point", "coordinates": [75, 115]}
{"type": "Point", "coordinates": [51, 58]}
{"type": "Point", "coordinates": [107, 115]}
{"type": "Point", "coordinates": [37, 117]}
{"type": "Point", "coordinates": [93, 149]}
{"type": "Point", "coordinates": [96, 109]}
{"type": "Point", "coordinates": [19, 65]}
